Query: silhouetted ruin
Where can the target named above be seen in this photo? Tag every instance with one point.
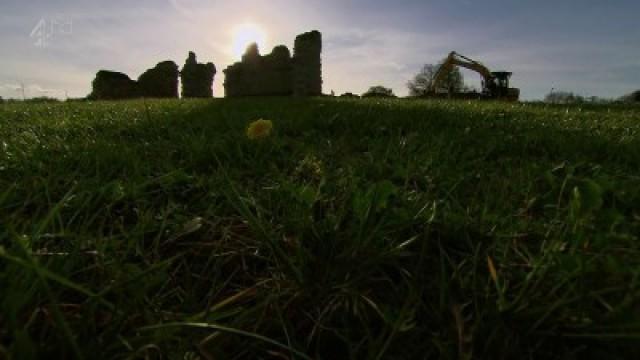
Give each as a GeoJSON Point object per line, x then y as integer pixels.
{"type": "Point", "coordinates": [260, 75]}
{"type": "Point", "coordinates": [278, 74]}
{"type": "Point", "coordinates": [111, 85]}
{"type": "Point", "coordinates": [197, 79]}
{"type": "Point", "coordinates": [275, 74]}
{"type": "Point", "coordinates": [307, 67]}
{"type": "Point", "coordinates": [160, 81]}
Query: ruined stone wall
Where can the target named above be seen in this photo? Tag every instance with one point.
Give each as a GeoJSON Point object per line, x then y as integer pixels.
{"type": "Point", "coordinates": [242, 78]}
{"type": "Point", "coordinates": [256, 75]}
{"type": "Point", "coordinates": [112, 85]}
{"type": "Point", "coordinates": [307, 66]}
{"type": "Point", "coordinates": [197, 79]}
{"type": "Point", "coordinates": [160, 81]}
{"type": "Point", "coordinates": [275, 74]}
{"type": "Point", "coordinates": [278, 74]}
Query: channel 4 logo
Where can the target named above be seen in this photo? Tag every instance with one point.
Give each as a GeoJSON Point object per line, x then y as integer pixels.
{"type": "Point", "coordinates": [47, 30]}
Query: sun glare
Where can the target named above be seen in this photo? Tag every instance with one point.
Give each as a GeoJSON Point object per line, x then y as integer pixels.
{"type": "Point", "coordinates": [245, 34]}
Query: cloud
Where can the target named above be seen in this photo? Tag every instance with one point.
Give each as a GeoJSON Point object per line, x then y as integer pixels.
{"type": "Point", "coordinates": [14, 90]}
{"type": "Point", "coordinates": [355, 59]}
{"type": "Point", "coordinates": [11, 86]}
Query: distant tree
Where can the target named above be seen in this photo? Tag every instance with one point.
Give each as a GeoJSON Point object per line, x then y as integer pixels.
{"type": "Point", "coordinates": [563, 97]}
{"type": "Point", "coordinates": [41, 99]}
{"type": "Point", "coordinates": [379, 91]}
{"type": "Point", "coordinates": [597, 100]}
{"type": "Point", "coordinates": [1, 100]}
{"type": "Point", "coordinates": [349, 95]}
{"type": "Point", "coordinates": [634, 97]}
{"type": "Point", "coordinates": [421, 83]}
{"type": "Point", "coordinates": [75, 100]}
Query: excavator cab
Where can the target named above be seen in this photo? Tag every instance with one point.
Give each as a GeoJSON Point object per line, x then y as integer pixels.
{"type": "Point", "coordinates": [502, 79]}
{"type": "Point", "coordinates": [502, 89]}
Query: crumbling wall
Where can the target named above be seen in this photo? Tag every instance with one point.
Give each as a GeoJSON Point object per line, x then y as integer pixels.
{"type": "Point", "coordinates": [160, 81]}
{"type": "Point", "coordinates": [278, 74]}
{"type": "Point", "coordinates": [197, 79]}
{"type": "Point", "coordinates": [257, 75]}
{"type": "Point", "coordinates": [275, 74]}
{"type": "Point", "coordinates": [112, 85]}
{"type": "Point", "coordinates": [234, 80]}
{"type": "Point", "coordinates": [278, 71]}
{"type": "Point", "coordinates": [307, 66]}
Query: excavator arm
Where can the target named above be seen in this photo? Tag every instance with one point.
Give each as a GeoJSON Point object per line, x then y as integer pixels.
{"type": "Point", "coordinates": [455, 59]}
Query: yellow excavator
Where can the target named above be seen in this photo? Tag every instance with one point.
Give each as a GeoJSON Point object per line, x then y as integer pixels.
{"type": "Point", "coordinates": [495, 84]}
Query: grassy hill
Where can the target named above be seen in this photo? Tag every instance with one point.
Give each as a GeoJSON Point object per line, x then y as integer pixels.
{"type": "Point", "coordinates": [363, 229]}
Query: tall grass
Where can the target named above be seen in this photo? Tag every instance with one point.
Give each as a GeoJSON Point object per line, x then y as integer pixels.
{"type": "Point", "coordinates": [363, 229]}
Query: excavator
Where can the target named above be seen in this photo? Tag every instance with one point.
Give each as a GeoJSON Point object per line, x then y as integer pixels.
{"type": "Point", "coordinates": [495, 84]}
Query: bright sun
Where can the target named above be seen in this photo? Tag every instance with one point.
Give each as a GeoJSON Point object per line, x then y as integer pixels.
{"type": "Point", "coordinates": [245, 34]}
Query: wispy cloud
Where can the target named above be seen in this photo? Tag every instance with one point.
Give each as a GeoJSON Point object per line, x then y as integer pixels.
{"type": "Point", "coordinates": [15, 90]}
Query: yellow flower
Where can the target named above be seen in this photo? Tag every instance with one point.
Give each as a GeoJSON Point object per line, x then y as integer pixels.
{"type": "Point", "coordinates": [259, 129]}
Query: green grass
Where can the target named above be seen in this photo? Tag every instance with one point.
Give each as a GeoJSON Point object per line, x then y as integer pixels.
{"type": "Point", "coordinates": [360, 229]}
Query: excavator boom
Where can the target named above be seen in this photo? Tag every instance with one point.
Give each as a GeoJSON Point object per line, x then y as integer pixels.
{"type": "Point", "coordinates": [494, 85]}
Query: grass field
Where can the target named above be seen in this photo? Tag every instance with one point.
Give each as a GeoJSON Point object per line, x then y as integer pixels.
{"type": "Point", "coordinates": [361, 229]}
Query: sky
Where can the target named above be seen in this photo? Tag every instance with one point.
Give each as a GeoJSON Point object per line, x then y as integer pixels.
{"type": "Point", "coordinates": [591, 47]}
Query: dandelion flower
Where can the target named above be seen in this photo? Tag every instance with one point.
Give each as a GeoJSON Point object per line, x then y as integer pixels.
{"type": "Point", "coordinates": [259, 129]}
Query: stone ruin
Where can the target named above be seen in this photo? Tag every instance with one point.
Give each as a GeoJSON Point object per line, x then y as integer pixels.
{"type": "Point", "coordinates": [307, 67]}
{"type": "Point", "coordinates": [111, 85]}
{"type": "Point", "coordinates": [160, 81]}
{"type": "Point", "coordinates": [278, 73]}
{"type": "Point", "coordinates": [197, 79]}
{"type": "Point", "coordinates": [275, 74]}
{"type": "Point", "coordinates": [260, 75]}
